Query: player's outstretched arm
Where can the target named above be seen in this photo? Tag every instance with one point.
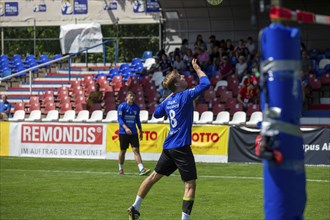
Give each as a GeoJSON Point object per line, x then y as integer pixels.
{"type": "Point", "coordinates": [197, 68]}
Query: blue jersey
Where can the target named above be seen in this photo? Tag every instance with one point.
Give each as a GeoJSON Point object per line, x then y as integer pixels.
{"type": "Point", "coordinates": [130, 116]}
{"type": "Point", "coordinates": [4, 106]}
{"type": "Point", "coordinates": [179, 109]}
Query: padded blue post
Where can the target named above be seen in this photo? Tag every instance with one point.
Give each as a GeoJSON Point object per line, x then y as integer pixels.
{"type": "Point", "coordinates": [285, 181]}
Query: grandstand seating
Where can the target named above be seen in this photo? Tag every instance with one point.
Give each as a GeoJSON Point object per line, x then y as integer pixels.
{"type": "Point", "coordinates": [97, 116]}
{"type": "Point", "coordinates": [82, 116]}
{"type": "Point", "coordinates": [222, 118]}
{"type": "Point", "coordinates": [52, 115]}
{"type": "Point", "coordinates": [239, 118]}
{"type": "Point", "coordinates": [154, 120]}
{"type": "Point", "coordinates": [206, 118]}
{"type": "Point", "coordinates": [111, 116]}
{"type": "Point", "coordinates": [68, 116]}
{"type": "Point", "coordinates": [195, 117]}
{"type": "Point", "coordinates": [71, 94]}
{"type": "Point", "coordinates": [255, 118]}
{"type": "Point", "coordinates": [19, 115]}
{"type": "Point", "coordinates": [35, 115]}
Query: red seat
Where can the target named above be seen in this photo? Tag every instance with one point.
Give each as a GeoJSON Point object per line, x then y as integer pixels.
{"type": "Point", "coordinates": [62, 93]}
{"type": "Point", "coordinates": [80, 99]}
{"type": "Point", "coordinates": [65, 107]}
{"type": "Point", "coordinates": [117, 83]}
{"type": "Point", "coordinates": [215, 79]}
{"type": "Point", "coordinates": [48, 93]}
{"type": "Point", "coordinates": [49, 99]}
{"type": "Point", "coordinates": [109, 96]}
{"type": "Point", "coordinates": [33, 106]}
{"type": "Point", "coordinates": [64, 100]}
{"type": "Point", "coordinates": [209, 95]}
{"type": "Point", "coordinates": [48, 107]}
{"type": "Point", "coordinates": [325, 79]}
{"type": "Point", "coordinates": [108, 106]}
{"type": "Point", "coordinates": [202, 107]}
{"type": "Point", "coordinates": [251, 109]}
{"type": "Point", "coordinates": [19, 106]}
{"type": "Point", "coordinates": [235, 108]}
{"type": "Point", "coordinates": [229, 103]}
{"type": "Point", "coordinates": [315, 84]}
{"type": "Point", "coordinates": [87, 79]}
{"type": "Point", "coordinates": [225, 96]}
{"type": "Point", "coordinates": [218, 108]}
{"type": "Point", "coordinates": [80, 106]}
{"type": "Point", "coordinates": [233, 85]}
{"type": "Point", "coordinates": [220, 90]}
{"type": "Point", "coordinates": [95, 106]}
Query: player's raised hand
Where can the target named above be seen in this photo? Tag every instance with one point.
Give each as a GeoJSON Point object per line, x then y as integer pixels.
{"type": "Point", "coordinates": [195, 65]}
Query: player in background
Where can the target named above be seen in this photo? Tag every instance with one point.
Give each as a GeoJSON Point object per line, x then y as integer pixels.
{"type": "Point", "coordinates": [177, 154]}
{"type": "Point", "coordinates": [128, 118]}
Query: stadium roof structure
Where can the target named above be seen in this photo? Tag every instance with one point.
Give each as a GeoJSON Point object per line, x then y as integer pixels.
{"type": "Point", "coordinates": [233, 19]}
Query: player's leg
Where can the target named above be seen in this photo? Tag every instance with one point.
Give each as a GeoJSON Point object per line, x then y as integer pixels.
{"type": "Point", "coordinates": [123, 147]}
{"type": "Point", "coordinates": [165, 166]}
{"type": "Point", "coordinates": [188, 198]}
{"type": "Point", "coordinates": [185, 162]}
{"type": "Point", "coordinates": [134, 140]}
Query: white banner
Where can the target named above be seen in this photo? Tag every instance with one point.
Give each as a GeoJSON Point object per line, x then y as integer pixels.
{"type": "Point", "coordinates": [60, 12]}
{"type": "Point", "coordinates": [76, 37]}
{"type": "Point", "coordinates": [58, 140]}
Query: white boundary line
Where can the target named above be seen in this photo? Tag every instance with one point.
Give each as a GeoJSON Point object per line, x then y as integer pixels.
{"type": "Point", "coordinates": [115, 173]}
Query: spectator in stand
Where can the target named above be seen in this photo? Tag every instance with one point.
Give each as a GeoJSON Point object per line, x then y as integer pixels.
{"type": "Point", "coordinates": [306, 63]}
{"type": "Point", "coordinates": [229, 46]}
{"type": "Point", "coordinates": [248, 95]}
{"type": "Point", "coordinates": [178, 63]}
{"type": "Point", "coordinates": [202, 57]}
{"type": "Point", "coordinates": [184, 47]}
{"type": "Point", "coordinates": [5, 108]}
{"type": "Point", "coordinates": [200, 43]}
{"type": "Point", "coordinates": [225, 67]}
{"type": "Point", "coordinates": [94, 97]}
{"type": "Point", "coordinates": [239, 50]}
{"type": "Point", "coordinates": [188, 58]}
{"type": "Point", "coordinates": [214, 55]}
{"type": "Point", "coordinates": [241, 68]}
{"type": "Point", "coordinates": [248, 79]}
{"type": "Point", "coordinates": [165, 64]}
{"type": "Point", "coordinates": [250, 45]}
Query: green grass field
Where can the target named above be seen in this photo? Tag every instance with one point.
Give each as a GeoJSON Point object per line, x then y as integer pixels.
{"type": "Point", "coordinates": [34, 188]}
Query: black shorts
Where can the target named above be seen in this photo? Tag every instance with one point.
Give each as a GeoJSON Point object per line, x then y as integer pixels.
{"type": "Point", "coordinates": [126, 139]}
{"type": "Point", "coordinates": [178, 158]}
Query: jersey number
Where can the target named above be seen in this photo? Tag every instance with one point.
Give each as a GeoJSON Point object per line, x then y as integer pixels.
{"type": "Point", "coordinates": [173, 121]}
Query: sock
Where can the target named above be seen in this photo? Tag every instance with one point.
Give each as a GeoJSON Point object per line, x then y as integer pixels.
{"type": "Point", "coordinates": [187, 205]}
{"type": "Point", "coordinates": [121, 166]}
{"type": "Point", "coordinates": [185, 216]}
{"type": "Point", "coordinates": [140, 165]}
{"type": "Point", "coordinates": [137, 203]}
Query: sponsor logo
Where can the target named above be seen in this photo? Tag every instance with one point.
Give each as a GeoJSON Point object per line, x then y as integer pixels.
{"type": "Point", "coordinates": [147, 135]}
{"type": "Point", "coordinates": [62, 134]}
{"type": "Point", "coordinates": [205, 137]}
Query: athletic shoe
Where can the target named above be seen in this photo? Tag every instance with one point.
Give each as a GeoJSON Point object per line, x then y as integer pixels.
{"type": "Point", "coordinates": [121, 172]}
{"type": "Point", "coordinates": [144, 171]}
{"type": "Point", "coordinates": [133, 214]}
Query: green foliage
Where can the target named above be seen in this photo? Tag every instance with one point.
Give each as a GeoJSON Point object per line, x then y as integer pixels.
{"type": "Point", "coordinates": [35, 188]}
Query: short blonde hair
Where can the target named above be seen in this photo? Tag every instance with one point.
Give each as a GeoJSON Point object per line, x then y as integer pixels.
{"type": "Point", "coordinates": [170, 80]}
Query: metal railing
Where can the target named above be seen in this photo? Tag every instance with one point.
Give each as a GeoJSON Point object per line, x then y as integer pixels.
{"type": "Point", "coordinates": [30, 69]}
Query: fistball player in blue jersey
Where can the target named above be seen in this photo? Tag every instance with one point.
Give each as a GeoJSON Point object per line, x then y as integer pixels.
{"type": "Point", "coordinates": [129, 118]}
{"type": "Point", "coordinates": [177, 154]}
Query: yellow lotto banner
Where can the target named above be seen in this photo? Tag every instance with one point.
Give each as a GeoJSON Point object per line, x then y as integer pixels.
{"type": "Point", "coordinates": [152, 142]}
{"type": "Point", "coordinates": [210, 140]}
{"type": "Point", "coordinates": [4, 138]}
